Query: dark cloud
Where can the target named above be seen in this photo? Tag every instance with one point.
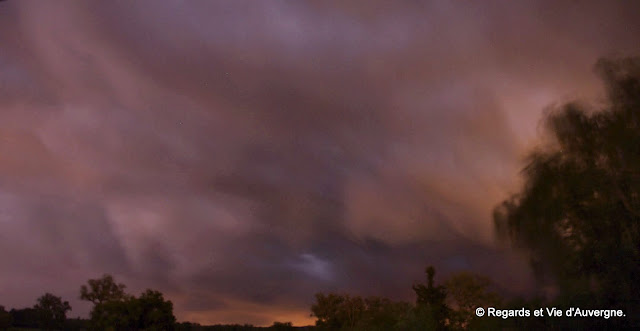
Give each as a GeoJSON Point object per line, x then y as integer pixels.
{"type": "Point", "coordinates": [242, 156]}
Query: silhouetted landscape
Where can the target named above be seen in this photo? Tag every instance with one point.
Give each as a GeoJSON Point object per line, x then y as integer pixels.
{"type": "Point", "coordinates": [319, 165]}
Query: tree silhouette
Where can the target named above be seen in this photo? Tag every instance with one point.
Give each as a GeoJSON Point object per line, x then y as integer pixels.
{"type": "Point", "coordinates": [438, 307]}
{"type": "Point", "coordinates": [465, 293]}
{"type": "Point", "coordinates": [155, 312]}
{"type": "Point", "coordinates": [345, 312]}
{"type": "Point", "coordinates": [26, 317]}
{"type": "Point", "coordinates": [382, 314]}
{"type": "Point", "coordinates": [52, 311]}
{"type": "Point", "coordinates": [578, 215]}
{"type": "Point", "coordinates": [102, 290]}
{"type": "Point", "coordinates": [282, 326]}
{"type": "Point", "coordinates": [115, 310]}
{"type": "Point", "coordinates": [432, 298]}
{"type": "Point", "coordinates": [335, 311]}
{"type": "Point", "coordinates": [5, 319]}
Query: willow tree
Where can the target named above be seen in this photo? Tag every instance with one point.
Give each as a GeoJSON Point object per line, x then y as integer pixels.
{"type": "Point", "coordinates": [578, 214]}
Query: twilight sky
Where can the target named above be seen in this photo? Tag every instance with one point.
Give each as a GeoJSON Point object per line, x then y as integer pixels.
{"type": "Point", "coordinates": [240, 156]}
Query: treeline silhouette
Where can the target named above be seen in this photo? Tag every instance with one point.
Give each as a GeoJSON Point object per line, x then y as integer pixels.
{"type": "Point", "coordinates": [113, 309]}
{"type": "Point", "coordinates": [577, 218]}
{"type": "Point", "coordinates": [437, 307]}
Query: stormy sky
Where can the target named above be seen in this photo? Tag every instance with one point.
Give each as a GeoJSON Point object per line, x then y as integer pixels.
{"type": "Point", "coordinates": [240, 156]}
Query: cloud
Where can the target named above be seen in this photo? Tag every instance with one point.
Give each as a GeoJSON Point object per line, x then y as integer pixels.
{"type": "Point", "coordinates": [247, 155]}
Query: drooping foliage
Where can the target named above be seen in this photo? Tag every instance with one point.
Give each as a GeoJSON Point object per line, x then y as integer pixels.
{"type": "Point", "coordinates": [578, 214]}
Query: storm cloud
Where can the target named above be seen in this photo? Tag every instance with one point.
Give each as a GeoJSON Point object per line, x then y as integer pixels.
{"type": "Point", "coordinates": [242, 156]}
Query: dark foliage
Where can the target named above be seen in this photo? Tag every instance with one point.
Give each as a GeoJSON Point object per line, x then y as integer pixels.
{"type": "Point", "coordinates": [51, 312]}
{"type": "Point", "coordinates": [115, 310]}
{"type": "Point", "coordinates": [578, 215]}
{"type": "Point", "coordinates": [431, 299]}
{"type": "Point", "coordinates": [102, 289]}
{"type": "Point", "coordinates": [25, 318]}
{"type": "Point", "coordinates": [5, 319]}
{"type": "Point", "coordinates": [465, 292]}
